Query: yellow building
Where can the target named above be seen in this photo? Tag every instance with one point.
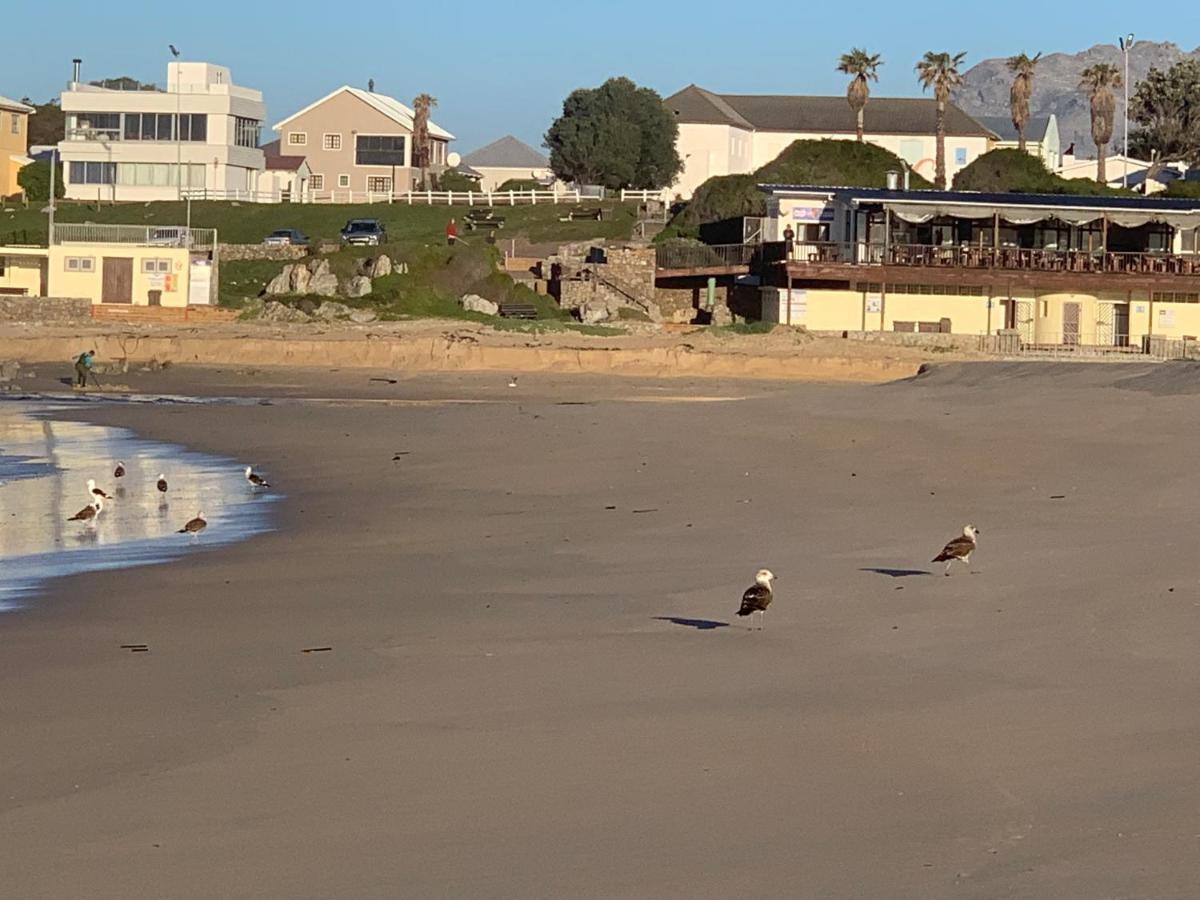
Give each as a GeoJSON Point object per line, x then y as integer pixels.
{"type": "Point", "coordinates": [117, 265]}
{"type": "Point", "coordinates": [14, 142]}
{"type": "Point", "coordinates": [1045, 270]}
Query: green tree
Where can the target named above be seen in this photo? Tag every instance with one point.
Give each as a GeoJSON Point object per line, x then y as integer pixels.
{"type": "Point", "coordinates": [617, 135]}
{"type": "Point", "coordinates": [863, 67]}
{"type": "Point", "coordinates": [34, 180]}
{"type": "Point", "coordinates": [1099, 80]}
{"type": "Point", "coordinates": [1166, 108]}
{"type": "Point", "coordinates": [46, 124]}
{"type": "Point", "coordinates": [1022, 66]}
{"type": "Point", "coordinates": [940, 71]}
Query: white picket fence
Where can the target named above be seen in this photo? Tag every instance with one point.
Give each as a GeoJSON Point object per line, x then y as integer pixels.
{"type": "Point", "coordinates": [418, 198]}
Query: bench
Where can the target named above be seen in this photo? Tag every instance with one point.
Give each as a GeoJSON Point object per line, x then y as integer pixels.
{"type": "Point", "coordinates": [13, 292]}
{"type": "Point", "coordinates": [487, 220]}
{"type": "Point", "coordinates": [596, 214]}
{"type": "Point", "coordinates": [518, 311]}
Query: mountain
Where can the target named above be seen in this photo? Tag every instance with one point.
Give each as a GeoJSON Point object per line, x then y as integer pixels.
{"type": "Point", "coordinates": [1056, 88]}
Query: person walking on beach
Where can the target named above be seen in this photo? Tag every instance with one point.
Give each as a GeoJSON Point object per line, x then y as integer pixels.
{"type": "Point", "coordinates": [83, 367]}
{"type": "Point", "coordinates": [451, 232]}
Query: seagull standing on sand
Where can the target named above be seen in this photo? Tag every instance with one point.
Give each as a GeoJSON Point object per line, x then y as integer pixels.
{"type": "Point", "coordinates": [255, 480]}
{"type": "Point", "coordinates": [959, 549]}
{"type": "Point", "coordinates": [758, 596]}
{"type": "Point", "coordinates": [95, 491]}
{"type": "Point", "coordinates": [194, 526]}
{"type": "Point", "coordinates": [162, 483]}
{"type": "Point", "coordinates": [119, 471]}
{"type": "Point", "coordinates": [89, 512]}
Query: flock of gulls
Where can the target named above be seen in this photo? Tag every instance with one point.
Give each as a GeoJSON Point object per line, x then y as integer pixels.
{"type": "Point", "coordinates": [758, 596]}
{"type": "Point", "coordinates": [98, 496]}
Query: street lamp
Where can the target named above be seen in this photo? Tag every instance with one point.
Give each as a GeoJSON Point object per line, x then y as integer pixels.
{"type": "Point", "coordinates": [1126, 45]}
{"type": "Point", "coordinates": [178, 130]}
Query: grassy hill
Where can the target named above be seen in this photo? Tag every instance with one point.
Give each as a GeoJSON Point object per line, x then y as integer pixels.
{"type": "Point", "coordinates": [1012, 172]}
{"type": "Point", "coordinates": [828, 162]}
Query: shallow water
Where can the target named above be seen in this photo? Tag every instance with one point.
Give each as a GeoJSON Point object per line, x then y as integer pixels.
{"type": "Point", "coordinates": [45, 462]}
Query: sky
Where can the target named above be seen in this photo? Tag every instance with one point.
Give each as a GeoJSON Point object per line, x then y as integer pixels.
{"type": "Point", "coordinates": [504, 68]}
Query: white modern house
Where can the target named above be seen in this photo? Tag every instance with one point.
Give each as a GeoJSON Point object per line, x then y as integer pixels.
{"type": "Point", "coordinates": [734, 134]}
{"type": "Point", "coordinates": [201, 133]}
{"type": "Point", "coordinates": [1041, 137]}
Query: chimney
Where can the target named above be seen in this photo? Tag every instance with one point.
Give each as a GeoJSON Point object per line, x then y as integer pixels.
{"type": "Point", "coordinates": [75, 64]}
{"type": "Point", "coordinates": [893, 180]}
{"type": "Point", "coordinates": [907, 171]}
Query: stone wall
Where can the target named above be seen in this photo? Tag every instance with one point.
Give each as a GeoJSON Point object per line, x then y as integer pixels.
{"type": "Point", "coordinates": [44, 310]}
{"type": "Point", "coordinates": [229, 252]}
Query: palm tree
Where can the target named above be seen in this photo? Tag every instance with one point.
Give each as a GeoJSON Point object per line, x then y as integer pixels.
{"type": "Point", "coordinates": [1099, 80]}
{"type": "Point", "coordinates": [862, 66]}
{"type": "Point", "coordinates": [422, 106]}
{"type": "Point", "coordinates": [1022, 66]}
{"type": "Point", "coordinates": [940, 71]}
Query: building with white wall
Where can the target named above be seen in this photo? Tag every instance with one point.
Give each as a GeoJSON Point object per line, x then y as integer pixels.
{"type": "Point", "coordinates": [200, 134]}
{"type": "Point", "coordinates": [728, 134]}
{"type": "Point", "coordinates": [1041, 137]}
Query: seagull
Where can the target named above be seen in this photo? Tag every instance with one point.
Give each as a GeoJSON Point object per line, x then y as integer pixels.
{"type": "Point", "coordinates": [119, 471]}
{"type": "Point", "coordinates": [162, 483]}
{"type": "Point", "coordinates": [89, 512]}
{"type": "Point", "coordinates": [95, 491]}
{"type": "Point", "coordinates": [194, 526]}
{"type": "Point", "coordinates": [512, 382]}
{"type": "Point", "coordinates": [255, 480]}
{"type": "Point", "coordinates": [959, 549]}
{"type": "Point", "coordinates": [758, 596]}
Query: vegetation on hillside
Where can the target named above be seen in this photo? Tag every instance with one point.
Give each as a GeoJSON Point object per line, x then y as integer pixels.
{"type": "Point", "coordinates": [1011, 171]}
{"type": "Point", "coordinates": [34, 180]}
{"type": "Point", "coordinates": [618, 135]}
{"type": "Point", "coordinates": [828, 162]}
{"type": "Point", "coordinates": [1184, 190]}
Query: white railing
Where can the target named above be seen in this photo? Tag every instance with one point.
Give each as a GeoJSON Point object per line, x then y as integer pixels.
{"type": "Point", "coordinates": [143, 235]}
{"type": "Point", "coordinates": [643, 196]}
{"type": "Point", "coordinates": [410, 198]}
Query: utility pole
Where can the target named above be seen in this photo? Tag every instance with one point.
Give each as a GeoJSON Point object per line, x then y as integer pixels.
{"type": "Point", "coordinates": [178, 128]}
{"type": "Point", "coordinates": [1126, 45]}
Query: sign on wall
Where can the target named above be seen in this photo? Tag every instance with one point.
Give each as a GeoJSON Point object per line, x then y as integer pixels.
{"type": "Point", "coordinates": [200, 282]}
{"type": "Point", "coordinates": [812, 214]}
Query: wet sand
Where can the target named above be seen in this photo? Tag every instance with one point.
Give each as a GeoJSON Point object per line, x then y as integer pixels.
{"type": "Point", "coordinates": [531, 694]}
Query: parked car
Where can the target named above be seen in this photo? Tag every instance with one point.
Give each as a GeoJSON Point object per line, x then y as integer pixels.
{"type": "Point", "coordinates": [286, 237]}
{"type": "Point", "coordinates": [368, 232]}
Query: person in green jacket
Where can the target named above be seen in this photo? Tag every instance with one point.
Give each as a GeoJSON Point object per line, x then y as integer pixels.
{"type": "Point", "coordinates": [83, 367]}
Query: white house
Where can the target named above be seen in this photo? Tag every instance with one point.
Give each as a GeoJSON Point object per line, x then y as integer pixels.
{"type": "Point", "coordinates": [202, 132]}
{"type": "Point", "coordinates": [1041, 137]}
{"type": "Point", "coordinates": [1121, 171]}
{"type": "Point", "coordinates": [733, 134]}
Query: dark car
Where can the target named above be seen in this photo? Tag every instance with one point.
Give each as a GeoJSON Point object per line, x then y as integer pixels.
{"type": "Point", "coordinates": [286, 237]}
{"type": "Point", "coordinates": [367, 232]}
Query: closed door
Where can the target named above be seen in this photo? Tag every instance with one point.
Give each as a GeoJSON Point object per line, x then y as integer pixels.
{"type": "Point", "coordinates": [1121, 324]}
{"type": "Point", "coordinates": [117, 286]}
{"type": "Point", "coordinates": [1023, 320]}
{"type": "Point", "coordinates": [1070, 323]}
{"type": "Point", "coordinates": [1104, 325]}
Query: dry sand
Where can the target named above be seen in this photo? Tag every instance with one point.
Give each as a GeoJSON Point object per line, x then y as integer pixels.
{"type": "Point", "coordinates": [530, 694]}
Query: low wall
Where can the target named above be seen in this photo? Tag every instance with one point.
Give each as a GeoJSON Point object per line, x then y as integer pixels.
{"type": "Point", "coordinates": [44, 310]}
{"type": "Point", "coordinates": [229, 252]}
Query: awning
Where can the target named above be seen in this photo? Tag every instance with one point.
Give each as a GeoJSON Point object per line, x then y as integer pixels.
{"type": "Point", "coordinates": [920, 213]}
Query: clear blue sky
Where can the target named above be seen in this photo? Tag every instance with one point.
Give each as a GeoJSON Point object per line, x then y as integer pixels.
{"type": "Point", "coordinates": [505, 67]}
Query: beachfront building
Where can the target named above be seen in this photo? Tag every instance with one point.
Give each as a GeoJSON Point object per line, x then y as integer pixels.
{"type": "Point", "coordinates": [116, 266]}
{"type": "Point", "coordinates": [200, 135]}
{"type": "Point", "coordinates": [734, 134]}
{"type": "Point", "coordinates": [1046, 270]}
{"type": "Point", "coordinates": [359, 143]}
{"type": "Point", "coordinates": [14, 143]}
{"type": "Point", "coordinates": [1041, 137]}
{"type": "Point", "coordinates": [508, 159]}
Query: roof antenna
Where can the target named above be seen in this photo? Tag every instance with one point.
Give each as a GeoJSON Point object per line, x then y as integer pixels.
{"type": "Point", "coordinates": [371, 85]}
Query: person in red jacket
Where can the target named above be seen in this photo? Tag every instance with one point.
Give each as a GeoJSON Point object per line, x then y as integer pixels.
{"type": "Point", "coordinates": [451, 232]}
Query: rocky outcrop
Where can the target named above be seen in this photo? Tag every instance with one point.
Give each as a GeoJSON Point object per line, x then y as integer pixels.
{"type": "Point", "coordinates": [358, 286]}
{"type": "Point", "coordinates": [376, 267]}
{"type": "Point", "coordinates": [324, 285]}
{"type": "Point", "coordinates": [475, 303]}
{"type": "Point", "coordinates": [332, 310]}
{"type": "Point", "coordinates": [315, 277]}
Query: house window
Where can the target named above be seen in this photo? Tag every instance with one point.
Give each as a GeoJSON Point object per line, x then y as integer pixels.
{"type": "Point", "coordinates": [331, 142]}
{"type": "Point", "coordinates": [960, 156]}
{"type": "Point", "coordinates": [316, 182]}
{"type": "Point", "coordinates": [246, 131]}
{"type": "Point", "coordinates": [156, 266]}
{"type": "Point", "coordinates": [93, 173]}
{"type": "Point", "coordinates": [16, 124]}
{"type": "Point", "coordinates": [379, 150]}
{"type": "Point", "coordinates": [99, 125]}
{"type": "Point", "coordinates": [297, 139]}
{"type": "Point", "coordinates": [379, 184]}
{"type": "Point", "coordinates": [80, 264]}
{"type": "Point", "coordinates": [343, 181]}
{"type": "Point", "coordinates": [159, 174]}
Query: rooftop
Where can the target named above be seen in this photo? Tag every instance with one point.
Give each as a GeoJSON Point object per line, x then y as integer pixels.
{"type": "Point", "coordinates": [388, 106]}
{"type": "Point", "coordinates": [507, 153]}
{"type": "Point", "coordinates": [1153, 203]}
{"type": "Point", "coordinates": [15, 105]}
{"type": "Point", "coordinates": [1002, 126]}
{"type": "Point", "coordinates": [822, 115]}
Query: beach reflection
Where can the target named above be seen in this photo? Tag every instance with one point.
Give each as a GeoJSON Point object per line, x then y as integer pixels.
{"type": "Point", "coordinates": [44, 468]}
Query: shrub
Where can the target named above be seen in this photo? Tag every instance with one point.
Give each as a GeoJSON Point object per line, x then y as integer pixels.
{"type": "Point", "coordinates": [1010, 171]}
{"type": "Point", "coordinates": [34, 179]}
{"type": "Point", "coordinates": [457, 181]}
{"type": "Point", "coordinates": [521, 184]}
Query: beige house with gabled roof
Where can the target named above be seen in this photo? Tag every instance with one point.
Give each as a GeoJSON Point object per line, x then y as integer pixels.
{"type": "Point", "coordinates": [358, 142]}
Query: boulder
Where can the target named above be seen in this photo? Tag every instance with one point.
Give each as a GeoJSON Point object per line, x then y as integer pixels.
{"type": "Point", "coordinates": [475, 303]}
{"type": "Point", "coordinates": [358, 286]}
{"type": "Point", "coordinates": [331, 309]}
{"type": "Point", "coordinates": [318, 266]}
{"type": "Point", "coordinates": [274, 311]}
{"type": "Point", "coordinates": [299, 278]}
{"type": "Point", "coordinates": [280, 284]}
{"type": "Point", "coordinates": [362, 316]}
{"type": "Point", "coordinates": [379, 266]}
{"type": "Point", "coordinates": [593, 312]}
{"type": "Point", "coordinates": [307, 306]}
{"type": "Point", "coordinates": [324, 284]}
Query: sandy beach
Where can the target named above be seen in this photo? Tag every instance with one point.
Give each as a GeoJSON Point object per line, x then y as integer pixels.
{"type": "Point", "coordinates": [536, 685]}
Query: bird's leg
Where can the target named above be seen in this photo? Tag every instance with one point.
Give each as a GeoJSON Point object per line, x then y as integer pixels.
{"type": "Point", "coordinates": [949, 563]}
{"type": "Point", "coordinates": [762, 619]}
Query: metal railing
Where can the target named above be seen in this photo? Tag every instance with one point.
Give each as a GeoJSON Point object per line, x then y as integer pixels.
{"type": "Point", "coordinates": [704, 256]}
{"type": "Point", "coordinates": [1007, 258]}
{"type": "Point", "coordinates": [144, 235]}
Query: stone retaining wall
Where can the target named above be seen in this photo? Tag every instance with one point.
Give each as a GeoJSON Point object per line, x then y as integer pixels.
{"type": "Point", "coordinates": [44, 310]}
{"type": "Point", "coordinates": [229, 252]}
